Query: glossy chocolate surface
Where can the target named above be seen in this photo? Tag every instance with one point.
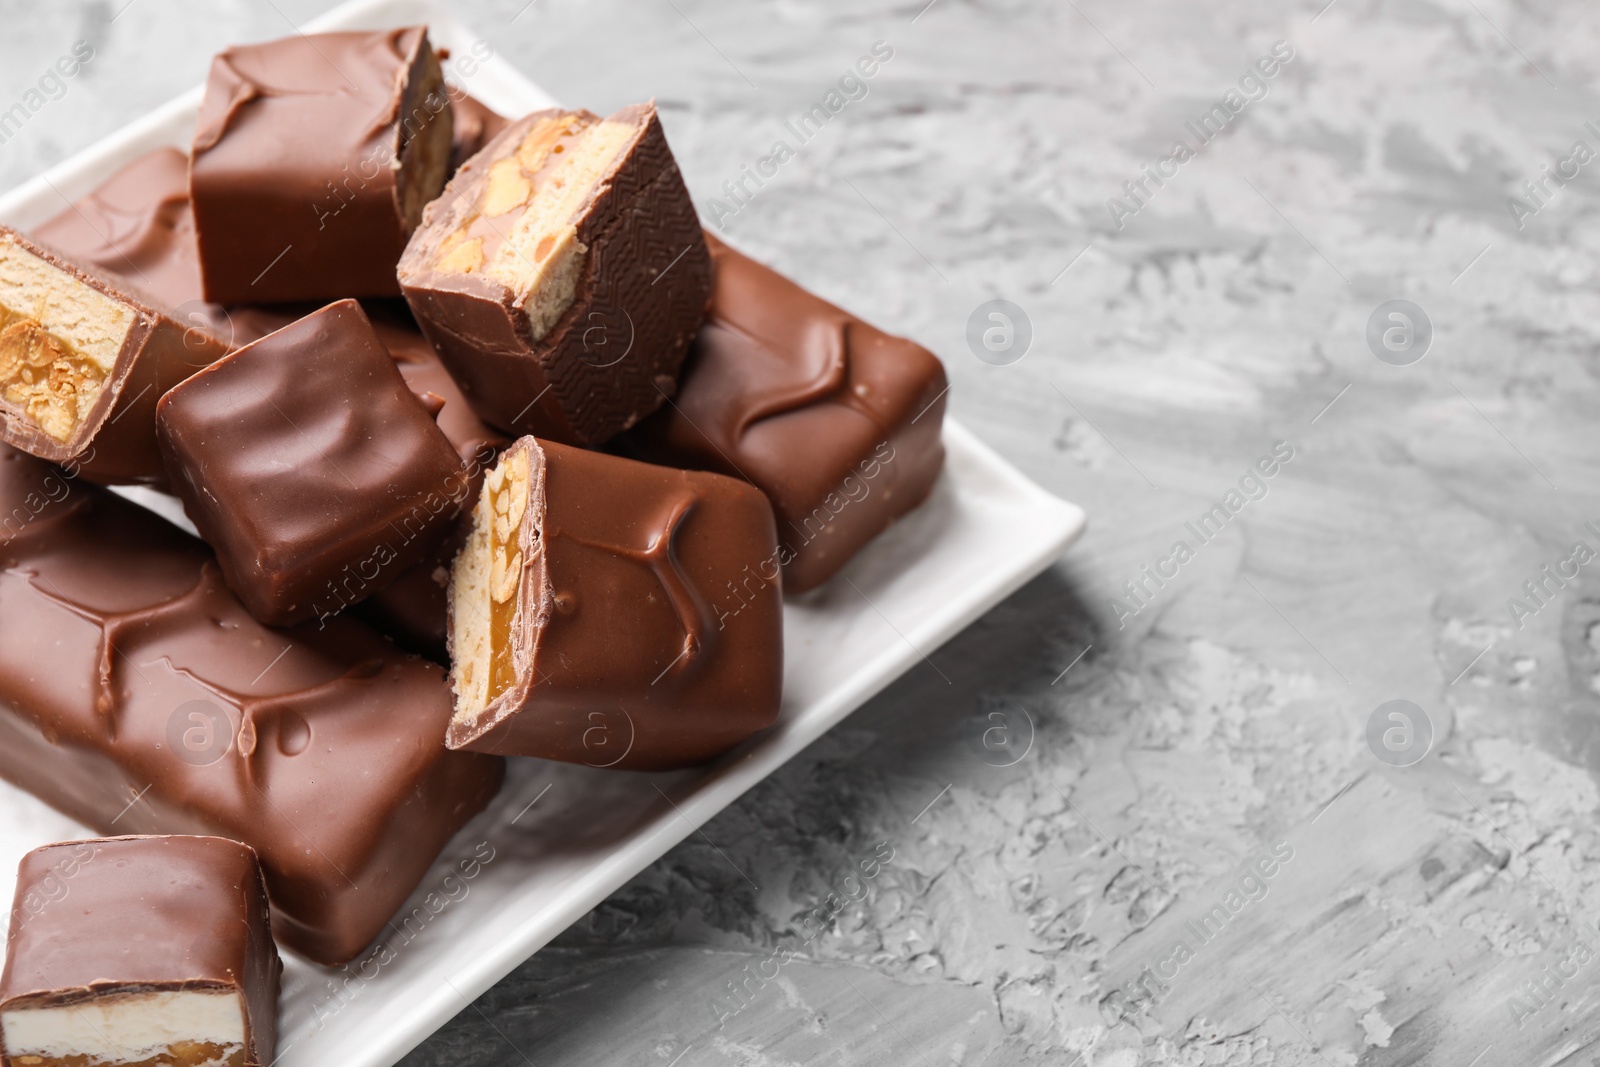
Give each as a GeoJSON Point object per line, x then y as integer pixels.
{"type": "Point", "coordinates": [640, 640]}
{"type": "Point", "coordinates": [834, 420]}
{"type": "Point", "coordinates": [295, 184]}
{"type": "Point", "coordinates": [137, 695]}
{"type": "Point", "coordinates": [310, 467]}
{"type": "Point", "coordinates": [144, 913]}
{"type": "Point", "coordinates": [614, 354]}
{"type": "Point", "coordinates": [115, 442]}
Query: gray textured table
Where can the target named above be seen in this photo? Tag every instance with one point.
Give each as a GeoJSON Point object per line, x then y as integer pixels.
{"type": "Point", "coordinates": [1201, 858]}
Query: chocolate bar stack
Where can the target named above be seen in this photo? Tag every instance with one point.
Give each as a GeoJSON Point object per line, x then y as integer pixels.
{"type": "Point", "coordinates": [492, 452]}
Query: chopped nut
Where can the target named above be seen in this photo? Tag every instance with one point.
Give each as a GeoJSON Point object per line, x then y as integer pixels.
{"type": "Point", "coordinates": [504, 575]}
{"type": "Point", "coordinates": [508, 187]}
{"type": "Point", "coordinates": [463, 256]}
{"type": "Point", "coordinates": [518, 496]}
{"type": "Point", "coordinates": [38, 373]}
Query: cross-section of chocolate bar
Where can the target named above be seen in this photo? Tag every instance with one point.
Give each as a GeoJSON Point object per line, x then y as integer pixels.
{"type": "Point", "coordinates": [140, 952]}
{"type": "Point", "coordinates": [600, 612]}
{"type": "Point", "coordinates": [310, 467]}
{"type": "Point", "coordinates": [835, 420]}
{"type": "Point", "coordinates": [562, 274]}
{"type": "Point", "coordinates": [83, 362]}
{"type": "Point", "coordinates": [138, 695]}
{"type": "Point", "coordinates": [312, 160]}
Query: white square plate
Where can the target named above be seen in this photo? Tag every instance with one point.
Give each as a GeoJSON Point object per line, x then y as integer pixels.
{"type": "Point", "coordinates": [559, 839]}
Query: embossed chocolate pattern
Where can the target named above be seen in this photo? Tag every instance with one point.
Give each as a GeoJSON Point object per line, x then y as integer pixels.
{"type": "Point", "coordinates": [562, 289]}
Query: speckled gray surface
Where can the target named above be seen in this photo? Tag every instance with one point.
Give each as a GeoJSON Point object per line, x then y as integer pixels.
{"type": "Point", "coordinates": [1033, 913]}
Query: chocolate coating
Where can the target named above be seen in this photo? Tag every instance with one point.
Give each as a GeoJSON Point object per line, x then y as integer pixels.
{"type": "Point", "coordinates": [641, 639]}
{"type": "Point", "coordinates": [145, 913]}
{"type": "Point", "coordinates": [138, 227]}
{"type": "Point", "coordinates": [115, 441]}
{"type": "Point", "coordinates": [834, 420]}
{"type": "Point", "coordinates": [614, 353]}
{"type": "Point", "coordinates": [320, 748]}
{"type": "Point", "coordinates": [311, 160]}
{"type": "Point", "coordinates": [310, 467]}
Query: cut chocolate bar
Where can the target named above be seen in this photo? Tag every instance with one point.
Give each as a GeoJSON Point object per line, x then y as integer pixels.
{"type": "Point", "coordinates": [835, 420]}
{"type": "Point", "coordinates": [312, 160]}
{"type": "Point", "coordinates": [140, 952]}
{"type": "Point", "coordinates": [595, 615]}
{"type": "Point", "coordinates": [83, 362]}
{"type": "Point", "coordinates": [562, 274]}
{"type": "Point", "coordinates": [310, 467]}
{"type": "Point", "coordinates": [138, 695]}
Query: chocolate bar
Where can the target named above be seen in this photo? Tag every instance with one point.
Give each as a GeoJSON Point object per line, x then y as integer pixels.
{"type": "Point", "coordinates": [595, 615]}
{"type": "Point", "coordinates": [312, 160]}
{"type": "Point", "coordinates": [137, 952]}
{"type": "Point", "coordinates": [562, 274]}
{"type": "Point", "coordinates": [473, 126]}
{"type": "Point", "coordinates": [310, 467]}
{"type": "Point", "coordinates": [137, 695]}
{"type": "Point", "coordinates": [83, 362]}
{"type": "Point", "coordinates": [834, 420]}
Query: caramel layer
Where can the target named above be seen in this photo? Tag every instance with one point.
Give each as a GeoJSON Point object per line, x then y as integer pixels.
{"type": "Point", "coordinates": [178, 1054]}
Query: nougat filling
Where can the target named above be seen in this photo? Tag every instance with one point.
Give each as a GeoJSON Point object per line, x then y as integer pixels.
{"type": "Point", "coordinates": [488, 583]}
{"type": "Point", "coordinates": [59, 341]}
{"type": "Point", "coordinates": [522, 232]}
{"type": "Point", "coordinates": [148, 1028]}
